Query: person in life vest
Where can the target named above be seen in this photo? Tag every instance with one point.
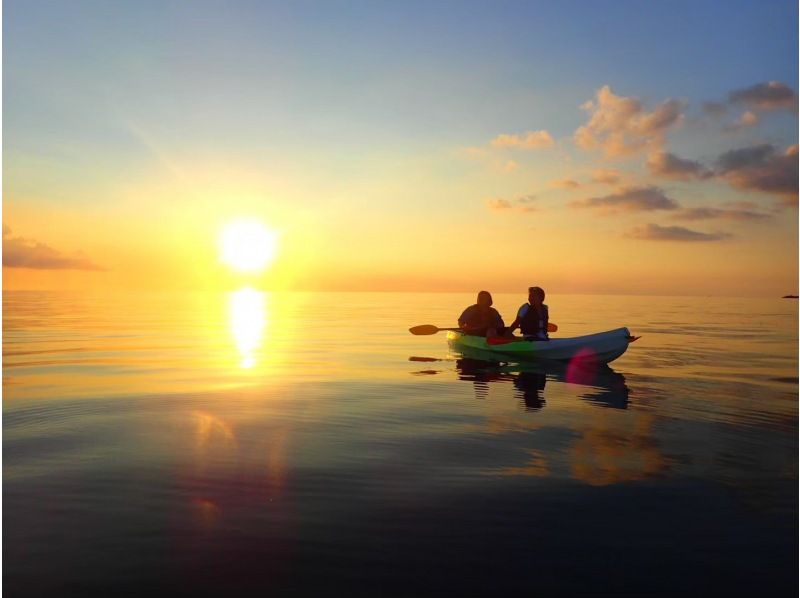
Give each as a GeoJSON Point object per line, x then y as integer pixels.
{"type": "Point", "coordinates": [482, 319]}
{"type": "Point", "coordinates": [532, 317]}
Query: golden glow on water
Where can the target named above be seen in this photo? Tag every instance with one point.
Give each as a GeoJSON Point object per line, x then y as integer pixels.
{"type": "Point", "coordinates": [609, 453]}
{"type": "Point", "coordinates": [206, 511]}
{"type": "Point", "coordinates": [249, 321]}
{"type": "Point", "coordinates": [210, 427]}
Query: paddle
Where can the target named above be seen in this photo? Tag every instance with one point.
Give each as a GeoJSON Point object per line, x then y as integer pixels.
{"type": "Point", "coordinates": [430, 329]}
{"type": "Point", "coordinates": [426, 329]}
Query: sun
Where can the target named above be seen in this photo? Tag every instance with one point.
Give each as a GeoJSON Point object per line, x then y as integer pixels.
{"type": "Point", "coordinates": [247, 245]}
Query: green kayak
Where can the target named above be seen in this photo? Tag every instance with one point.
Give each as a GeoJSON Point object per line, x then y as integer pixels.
{"type": "Point", "coordinates": [602, 347]}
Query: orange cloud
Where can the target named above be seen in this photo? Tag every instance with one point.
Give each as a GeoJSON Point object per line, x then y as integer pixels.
{"type": "Point", "coordinates": [691, 214]}
{"type": "Point", "coordinates": [766, 96]}
{"type": "Point", "coordinates": [523, 203]}
{"type": "Point", "coordinates": [606, 177]}
{"type": "Point", "coordinates": [654, 232]}
{"type": "Point", "coordinates": [498, 204]}
{"type": "Point", "coordinates": [748, 119]}
{"type": "Point", "coordinates": [19, 252]}
{"type": "Point", "coordinates": [629, 199]}
{"type": "Point", "coordinates": [565, 184]}
{"type": "Point", "coordinates": [530, 140]}
{"type": "Point", "coordinates": [621, 126]}
{"type": "Point", "coordinates": [742, 204]}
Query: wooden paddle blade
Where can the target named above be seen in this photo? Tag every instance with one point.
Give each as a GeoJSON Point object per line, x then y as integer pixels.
{"type": "Point", "coordinates": [424, 329]}
{"type": "Point", "coordinates": [552, 327]}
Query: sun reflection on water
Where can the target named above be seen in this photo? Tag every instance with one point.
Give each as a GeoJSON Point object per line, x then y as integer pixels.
{"type": "Point", "coordinates": [248, 313]}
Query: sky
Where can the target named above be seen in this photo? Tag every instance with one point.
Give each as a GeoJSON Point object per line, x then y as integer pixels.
{"type": "Point", "coordinates": [604, 147]}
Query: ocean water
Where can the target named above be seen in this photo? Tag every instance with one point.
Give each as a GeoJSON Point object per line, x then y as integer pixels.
{"type": "Point", "coordinates": [250, 443]}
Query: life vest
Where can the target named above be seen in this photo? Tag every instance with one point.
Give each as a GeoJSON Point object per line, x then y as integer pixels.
{"type": "Point", "coordinates": [532, 323]}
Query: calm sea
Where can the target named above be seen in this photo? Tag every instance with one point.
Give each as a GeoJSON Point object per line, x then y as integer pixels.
{"type": "Point", "coordinates": [249, 443]}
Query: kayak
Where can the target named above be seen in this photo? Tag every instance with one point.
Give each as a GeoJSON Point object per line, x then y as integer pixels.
{"type": "Point", "coordinates": [602, 347]}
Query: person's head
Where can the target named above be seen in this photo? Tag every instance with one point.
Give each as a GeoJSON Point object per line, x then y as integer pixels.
{"type": "Point", "coordinates": [535, 295]}
{"type": "Point", "coordinates": [485, 299]}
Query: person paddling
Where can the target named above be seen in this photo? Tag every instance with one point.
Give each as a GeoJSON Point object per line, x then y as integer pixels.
{"type": "Point", "coordinates": [532, 317]}
{"type": "Point", "coordinates": [482, 319]}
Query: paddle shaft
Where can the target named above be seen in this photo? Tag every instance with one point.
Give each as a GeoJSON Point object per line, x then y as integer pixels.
{"type": "Point", "coordinates": [426, 329]}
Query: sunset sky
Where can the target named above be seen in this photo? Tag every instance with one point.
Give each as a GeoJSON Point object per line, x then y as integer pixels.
{"type": "Point", "coordinates": [597, 147]}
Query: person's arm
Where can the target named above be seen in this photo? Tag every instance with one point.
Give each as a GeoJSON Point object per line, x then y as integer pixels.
{"type": "Point", "coordinates": [463, 321]}
{"type": "Point", "coordinates": [497, 324]}
{"type": "Point", "coordinates": [546, 318]}
{"type": "Point", "coordinates": [518, 320]}
{"type": "Point", "coordinates": [467, 328]}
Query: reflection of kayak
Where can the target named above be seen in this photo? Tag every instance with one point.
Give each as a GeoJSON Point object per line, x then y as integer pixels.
{"type": "Point", "coordinates": [602, 347]}
{"type": "Point", "coordinates": [604, 386]}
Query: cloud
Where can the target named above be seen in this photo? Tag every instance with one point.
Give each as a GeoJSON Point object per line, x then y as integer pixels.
{"type": "Point", "coordinates": [692, 214]}
{"type": "Point", "coordinates": [498, 204]}
{"type": "Point", "coordinates": [523, 203]}
{"type": "Point", "coordinates": [766, 96]}
{"type": "Point", "coordinates": [565, 184]}
{"type": "Point", "coordinates": [510, 166]}
{"type": "Point", "coordinates": [762, 168]}
{"type": "Point", "coordinates": [629, 199]}
{"type": "Point", "coordinates": [743, 204]}
{"type": "Point", "coordinates": [747, 119]}
{"type": "Point", "coordinates": [654, 232]}
{"type": "Point", "coordinates": [621, 126]}
{"type": "Point", "coordinates": [529, 140]}
{"type": "Point", "coordinates": [670, 166]}
{"type": "Point", "coordinates": [19, 252]}
{"type": "Point", "coordinates": [606, 177]}
{"type": "Point", "coordinates": [715, 108]}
